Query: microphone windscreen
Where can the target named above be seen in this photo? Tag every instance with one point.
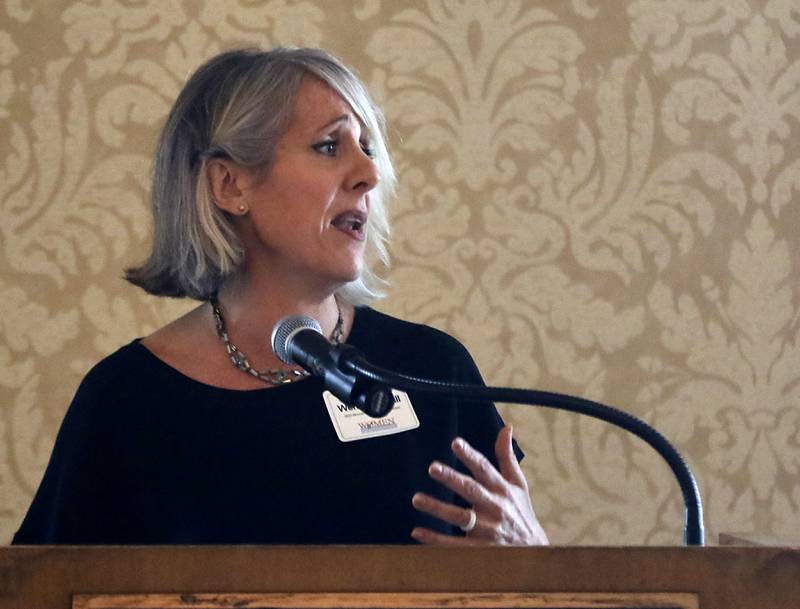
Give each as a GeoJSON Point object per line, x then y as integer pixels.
{"type": "Point", "coordinates": [285, 329]}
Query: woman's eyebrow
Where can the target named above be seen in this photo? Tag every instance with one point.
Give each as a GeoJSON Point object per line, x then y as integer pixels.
{"type": "Point", "coordinates": [344, 118]}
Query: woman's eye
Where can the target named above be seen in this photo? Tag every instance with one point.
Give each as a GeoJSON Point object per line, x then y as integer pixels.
{"type": "Point", "coordinates": [368, 150]}
{"type": "Point", "coordinates": [327, 147]}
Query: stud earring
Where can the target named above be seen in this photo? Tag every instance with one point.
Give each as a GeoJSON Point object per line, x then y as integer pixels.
{"type": "Point", "coordinates": [242, 209]}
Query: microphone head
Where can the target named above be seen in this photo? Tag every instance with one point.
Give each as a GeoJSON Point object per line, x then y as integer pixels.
{"type": "Point", "coordinates": [285, 329]}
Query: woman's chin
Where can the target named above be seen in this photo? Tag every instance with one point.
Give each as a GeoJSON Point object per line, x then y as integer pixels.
{"type": "Point", "coordinates": [347, 273]}
{"type": "Point", "coordinates": [352, 276]}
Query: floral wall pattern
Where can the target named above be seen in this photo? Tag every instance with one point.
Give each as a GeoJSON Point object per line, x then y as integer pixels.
{"type": "Point", "coordinates": [597, 198]}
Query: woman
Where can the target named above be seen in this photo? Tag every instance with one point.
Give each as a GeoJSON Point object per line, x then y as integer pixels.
{"type": "Point", "coordinates": [269, 192]}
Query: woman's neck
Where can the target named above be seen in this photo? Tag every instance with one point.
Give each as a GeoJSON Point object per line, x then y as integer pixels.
{"type": "Point", "coordinates": [252, 308]}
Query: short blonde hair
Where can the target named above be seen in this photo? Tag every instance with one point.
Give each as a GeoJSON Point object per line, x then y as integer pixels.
{"type": "Point", "coordinates": [237, 106]}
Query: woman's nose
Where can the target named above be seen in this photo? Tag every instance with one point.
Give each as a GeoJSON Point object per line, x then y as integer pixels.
{"type": "Point", "coordinates": [365, 175]}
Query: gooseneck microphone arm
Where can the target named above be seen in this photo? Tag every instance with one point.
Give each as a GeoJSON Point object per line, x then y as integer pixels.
{"type": "Point", "coordinates": [353, 363]}
{"type": "Point", "coordinates": [351, 378]}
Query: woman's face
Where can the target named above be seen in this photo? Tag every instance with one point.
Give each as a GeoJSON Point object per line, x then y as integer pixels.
{"type": "Point", "coordinates": [308, 217]}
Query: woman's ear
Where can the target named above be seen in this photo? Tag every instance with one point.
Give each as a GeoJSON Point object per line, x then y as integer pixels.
{"type": "Point", "coordinates": [227, 181]}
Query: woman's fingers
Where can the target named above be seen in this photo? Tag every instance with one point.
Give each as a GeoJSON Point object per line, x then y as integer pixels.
{"type": "Point", "coordinates": [507, 460]}
{"type": "Point", "coordinates": [469, 489]}
{"type": "Point", "coordinates": [499, 498]}
{"type": "Point", "coordinates": [449, 513]}
{"type": "Point", "coordinates": [479, 466]}
{"type": "Point", "coordinates": [429, 537]}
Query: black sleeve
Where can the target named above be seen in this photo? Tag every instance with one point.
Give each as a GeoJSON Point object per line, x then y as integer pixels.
{"type": "Point", "coordinates": [479, 421]}
{"type": "Point", "coordinates": [69, 504]}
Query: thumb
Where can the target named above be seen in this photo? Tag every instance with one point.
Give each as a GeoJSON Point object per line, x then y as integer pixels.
{"type": "Point", "coordinates": [507, 460]}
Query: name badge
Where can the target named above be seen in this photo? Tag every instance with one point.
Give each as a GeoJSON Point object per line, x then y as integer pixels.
{"type": "Point", "coordinates": [351, 424]}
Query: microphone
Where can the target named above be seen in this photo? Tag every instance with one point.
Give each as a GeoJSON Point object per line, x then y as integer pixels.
{"type": "Point", "coordinates": [299, 340]}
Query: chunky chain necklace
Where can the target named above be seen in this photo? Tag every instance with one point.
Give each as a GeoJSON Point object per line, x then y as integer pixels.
{"type": "Point", "coordinates": [270, 377]}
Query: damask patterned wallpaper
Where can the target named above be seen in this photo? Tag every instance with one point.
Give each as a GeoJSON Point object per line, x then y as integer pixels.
{"type": "Point", "coordinates": [598, 198]}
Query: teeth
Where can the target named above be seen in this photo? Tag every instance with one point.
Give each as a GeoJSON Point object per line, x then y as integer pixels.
{"type": "Point", "coordinates": [349, 220]}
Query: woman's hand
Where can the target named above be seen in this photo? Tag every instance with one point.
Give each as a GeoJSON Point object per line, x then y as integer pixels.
{"type": "Point", "coordinates": [500, 500]}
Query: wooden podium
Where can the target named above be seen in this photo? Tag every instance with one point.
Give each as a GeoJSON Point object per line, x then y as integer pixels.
{"type": "Point", "coordinates": [289, 577]}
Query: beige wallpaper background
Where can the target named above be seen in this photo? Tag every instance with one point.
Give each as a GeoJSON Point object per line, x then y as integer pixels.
{"type": "Point", "coordinates": [599, 197]}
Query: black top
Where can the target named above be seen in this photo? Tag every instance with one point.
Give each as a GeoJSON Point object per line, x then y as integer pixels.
{"type": "Point", "coordinates": [148, 455]}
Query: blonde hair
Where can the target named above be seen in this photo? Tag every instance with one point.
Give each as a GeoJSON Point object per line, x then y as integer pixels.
{"type": "Point", "coordinates": [237, 106]}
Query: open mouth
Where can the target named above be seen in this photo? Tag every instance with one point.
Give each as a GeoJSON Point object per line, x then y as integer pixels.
{"type": "Point", "coordinates": [353, 223]}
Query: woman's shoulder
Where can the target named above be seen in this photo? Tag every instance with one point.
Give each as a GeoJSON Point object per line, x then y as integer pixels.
{"type": "Point", "coordinates": [123, 368]}
{"type": "Point", "coordinates": [120, 364]}
{"type": "Point", "coordinates": [104, 388]}
{"type": "Point", "coordinates": [414, 348]}
{"type": "Point", "coordinates": [386, 328]}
